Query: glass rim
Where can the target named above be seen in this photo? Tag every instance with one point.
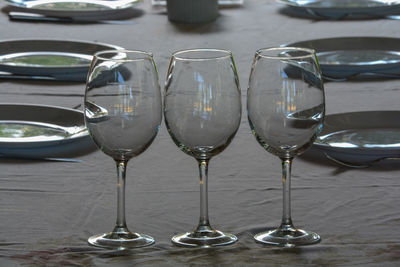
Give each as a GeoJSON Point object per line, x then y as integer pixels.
{"type": "Point", "coordinates": [127, 51]}
{"type": "Point", "coordinates": [178, 54]}
{"type": "Point", "coordinates": [311, 52]}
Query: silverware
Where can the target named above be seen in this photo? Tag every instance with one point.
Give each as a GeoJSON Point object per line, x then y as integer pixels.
{"type": "Point", "coordinates": [36, 17]}
{"type": "Point", "coordinates": [77, 106]}
{"type": "Point", "coordinates": [71, 160]}
{"type": "Point", "coordinates": [25, 16]}
{"type": "Point", "coordinates": [9, 75]}
{"type": "Point", "coordinates": [362, 75]}
{"type": "Point", "coordinates": [395, 17]}
{"type": "Point", "coordinates": [221, 3]}
{"type": "Point", "coordinates": [358, 165]}
{"type": "Point", "coordinates": [13, 76]}
{"type": "Point", "coordinates": [62, 160]}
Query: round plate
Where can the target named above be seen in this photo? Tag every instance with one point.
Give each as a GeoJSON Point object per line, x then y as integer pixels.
{"type": "Point", "coordinates": [74, 8]}
{"type": "Point", "coordinates": [37, 131]}
{"type": "Point", "coordinates": [359, 137]}
{"type": "Point", "coordinates": [336, 9]}
{"type": "Point", "coordinates": [345, 57]}
{"type": "Point", "coordinates": [60, 59]}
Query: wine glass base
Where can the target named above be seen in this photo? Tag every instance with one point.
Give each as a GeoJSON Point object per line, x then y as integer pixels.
{"type": "Point", "coordinates": [121, 241]}
{"type": "Point", "coordinates": [288, 237]}
{"type": "Point", "coordinates": [204, 239]}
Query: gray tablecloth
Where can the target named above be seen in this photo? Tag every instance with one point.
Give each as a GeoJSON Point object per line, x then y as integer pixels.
{"type": "Point", "coordinates": [49, 209]}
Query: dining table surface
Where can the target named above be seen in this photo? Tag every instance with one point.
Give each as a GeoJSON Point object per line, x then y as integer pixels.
{"type": "Point", "coordinates": [48, 209]}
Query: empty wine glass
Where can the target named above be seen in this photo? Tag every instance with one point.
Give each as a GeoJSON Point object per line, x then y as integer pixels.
{"type": "Point", "coordinates": [123, 113]}
{"type": "Point", "coordinates": [286, 108]}
{"type": "Point", "coordinates": [202, 110]}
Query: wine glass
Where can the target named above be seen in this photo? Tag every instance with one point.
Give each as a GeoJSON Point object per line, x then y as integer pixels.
{"type": "Point", "coordinates": [286, 108]}
{"type": "Point", "coordinates": [123, 113]}
{"type": "Point", "coordinates": [202, 110]}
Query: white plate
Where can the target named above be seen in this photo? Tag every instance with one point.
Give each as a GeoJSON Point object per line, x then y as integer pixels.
{"type": "Point", "coordinates": [361, 137]}
{"type": "Point", "coordinates": [336, 9]}
{"type": "Point", "coordinates": [346, 57]}
{"type": "Point", "coordinates": [35, 131]}
{"type": "Point", "coordinates": [73, 8]}
{"type": "Point", "coordinates": [60, 59]}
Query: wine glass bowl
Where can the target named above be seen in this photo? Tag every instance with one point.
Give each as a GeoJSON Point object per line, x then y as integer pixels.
{"type": "Point", "coordinates": [286, 108]}
{"type": "Point", "coordinates": [202, 110]}
{"type": "Point", "coordinates": [123, 114]}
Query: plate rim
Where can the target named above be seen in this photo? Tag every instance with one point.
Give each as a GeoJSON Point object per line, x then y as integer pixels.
{"type": "Point", "coordinates": [345, 38]}
{"type": "Point", "coordinates": [342, 38]}
{"type": "Point", "coordinates": [84, 135]}
{"type": "Point", "coordinates": [292, 3]}
{"type": "Point", "coordinates": [73, 13]}
{"type": "Point", "coordinates": [354, 150]}
{"type": "Point", "coordinates": [109, 46]}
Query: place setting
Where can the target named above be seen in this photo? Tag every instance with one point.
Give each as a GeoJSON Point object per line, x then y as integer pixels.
{"type": "Point", "coordinates": [246, 133]}
{"type": "Point", "coordinates": [358, 139]}
{"type": "Point", "coordinates": [361, 139]}
{"type": "Point", "coordinates": [48, 59]}
{"type": "Point", "coordinates": [45, 132]}
{"type": "Point", "coordinates": [356, 58]}
{"type": "Point", "coordinates": [202, 110]}
{"type": "Point", "coordinates": [341, 9]}
{"type": "Point", "coordinates": [73, 11]}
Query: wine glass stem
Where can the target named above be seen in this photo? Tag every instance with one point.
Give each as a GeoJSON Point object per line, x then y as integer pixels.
{"type": "Point", "coordinates": [286, 176]}
{"type": "Point", "coordinates": [204, 223]}
{"type": "Point", "coordinates": [121, 175]}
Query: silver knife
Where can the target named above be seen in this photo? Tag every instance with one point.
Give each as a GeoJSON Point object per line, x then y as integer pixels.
{"type": "Point", "coordinates": [39, 17]}
{"type": "Point", "coordinates": [36, 17]}
{"type": "Point", "coordinates": [9, 75]}
{"type": "Point", "coordinates": [72, 160]}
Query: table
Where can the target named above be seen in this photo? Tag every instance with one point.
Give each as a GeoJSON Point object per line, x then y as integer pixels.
{"type": "Point", "coordinates": [49, 209]}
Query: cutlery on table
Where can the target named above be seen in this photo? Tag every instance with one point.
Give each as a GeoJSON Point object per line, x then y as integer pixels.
{"type": "Point", "coordinates": [65, 78]}
{"type": "Point", "coordinates": [358, 165]}
{"type": "Point", "coordinates": [9, 75]}
{"type": "Point", "coordinates": [43, 159]}
{"type": "Point", "coordinates": [362, 75]}
{"type": "Point", "coordinates": [25, 16]}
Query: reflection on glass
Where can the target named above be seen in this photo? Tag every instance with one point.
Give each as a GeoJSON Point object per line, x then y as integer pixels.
{"type": "Point", "coordinates": [286, 107]}
{"type": "Point", "coordinates": [123, 115]}
{"type": "Point", "coordinates": [202, 114]}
